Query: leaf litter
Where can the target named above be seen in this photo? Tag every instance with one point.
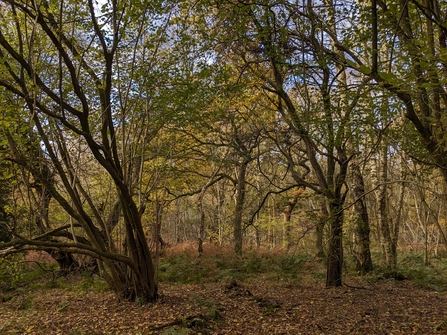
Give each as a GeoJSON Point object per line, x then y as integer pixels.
{"type": "Point", "coordinates": [254, 306]}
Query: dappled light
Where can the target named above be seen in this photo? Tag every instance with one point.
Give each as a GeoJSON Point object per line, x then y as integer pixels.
{"type": "Point", "coordinates": [223, 167]}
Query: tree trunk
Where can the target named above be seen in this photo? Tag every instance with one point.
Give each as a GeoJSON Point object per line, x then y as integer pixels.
{"type": "Point", "coordinates": [321, 223]}
{"type": "Point", "coordinates": [141, 281]}
{"type": "Point", "coordinates": [201, 230]}
{"type": "Point", "coordinates": [288, 217]}
{"type": "Point", "coordinates": [362, 229]}
{"type": "Point", "coordinates": [389, 252]}
{"type": "Point", "coordinates": [240, 198]}
{"type": "Point", "coordinates": [157, 235]}
{"type": "Point", "coordinates": [335, 253]}
{"type": "Point", "coordinates": [65, 260]}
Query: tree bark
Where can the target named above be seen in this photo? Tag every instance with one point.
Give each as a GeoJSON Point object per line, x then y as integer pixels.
{"type": "Point", "coordinates": [238, 213]}
{"type": "Point", "coordinates": [362, 229]}
{"type": "Point", "coordinates": [321, 223]}
{"type": "Point", "coordinates": [288, 218]}
{"type": "Point", "coordinates": [389, 252]}
{"type": "Point", "coordinates": [335, 254]}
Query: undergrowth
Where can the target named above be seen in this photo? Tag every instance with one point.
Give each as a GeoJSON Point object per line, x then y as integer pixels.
{"type": "Point", "coordinates": [216, 264]}
{"type": "Point", "coordinates": [433, 275]}
{"type": "Point", "coordinates": [181, 264]}
{"type": "Point", "coordinates": [20, 275]}
{"type": "Point", "coordinates": [411, 266]}
{"type": "Point", "coordinates": [16, 272]}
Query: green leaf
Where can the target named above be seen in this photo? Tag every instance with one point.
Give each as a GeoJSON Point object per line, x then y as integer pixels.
{"type": "Point", "coordinates": [387, 76]}
{"type": "Point", "coordinates": [365, 69]}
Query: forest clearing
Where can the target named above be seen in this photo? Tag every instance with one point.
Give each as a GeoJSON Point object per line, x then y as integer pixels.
{"type": "Point", "coordinates": [199, 297]}
{"type": "Point", "coordinates": [223, 167]}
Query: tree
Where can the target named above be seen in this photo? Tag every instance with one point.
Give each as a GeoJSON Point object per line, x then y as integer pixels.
{"type": "Point", "coordinates": [272, 44]}
{"type": "Point", "coordinates": [63, 61]}
{"type": "Point", "coordinates": [231, 132]}
{"type": "Point", "coordinates": [362, 231]}
{"type": "Point", "coordinates": [405, 55]}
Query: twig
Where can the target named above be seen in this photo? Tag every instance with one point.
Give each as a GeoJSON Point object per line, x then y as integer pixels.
{"type": "Point", "coordinates": [356, 287]}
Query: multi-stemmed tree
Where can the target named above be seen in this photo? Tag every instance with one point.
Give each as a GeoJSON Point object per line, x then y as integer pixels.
{"type": "Point", "coordinates": [76, 70]}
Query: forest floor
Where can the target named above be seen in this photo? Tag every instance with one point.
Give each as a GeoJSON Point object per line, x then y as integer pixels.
{"type": "Point", "coordinates": [252, 306]}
